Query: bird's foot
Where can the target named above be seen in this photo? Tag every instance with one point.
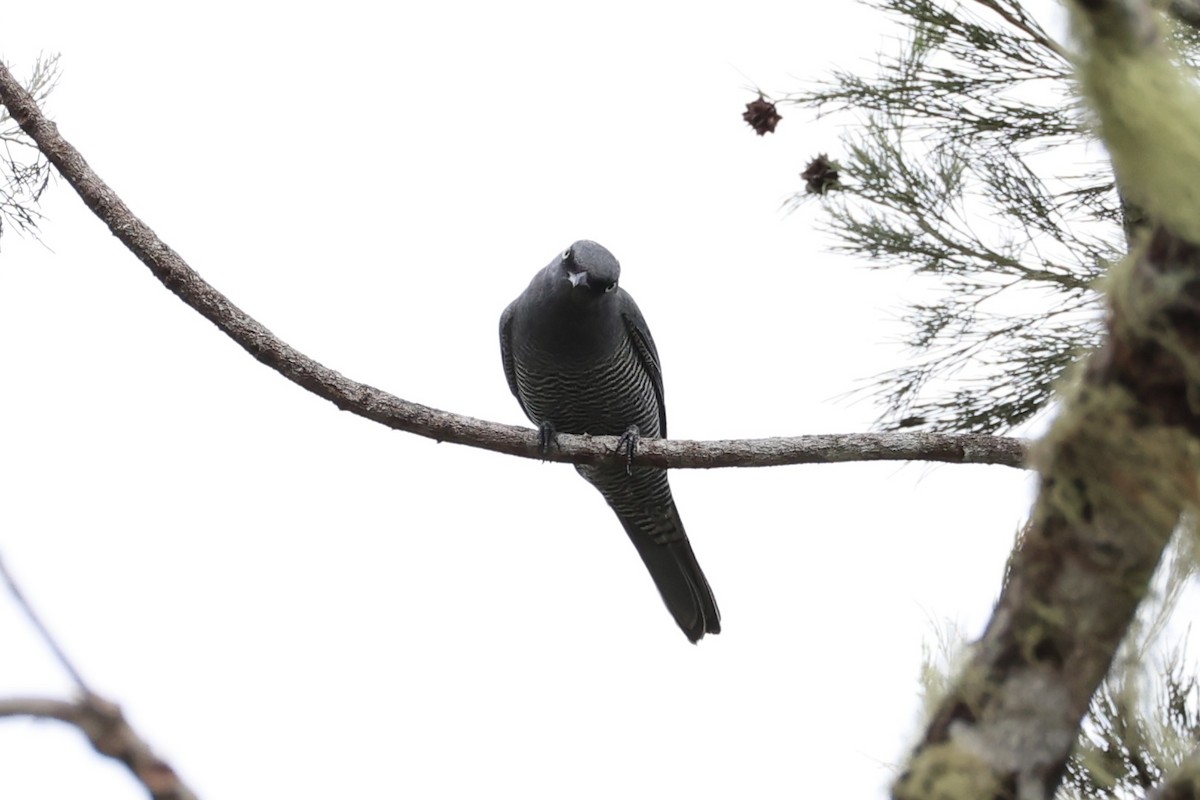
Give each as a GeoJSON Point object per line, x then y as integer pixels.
{"type": "Point", "coordinates": [547, 437]}
{"type": "Point", "coordinates": [629, 442]}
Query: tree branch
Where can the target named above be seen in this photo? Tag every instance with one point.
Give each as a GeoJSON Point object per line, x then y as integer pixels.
{"type": "Point", "coordinates": [1182, 784]}
{"type": "Point", "coordinates": [1119, 465]}
{"type": "Point", "coordinates": [1014, 15]}
{"type": "Point", "coordinates": [100, 720]}
{"type": "Point", "coordinates": [106, 728]}
{"type": "Point", "coordinates": [443, 426]}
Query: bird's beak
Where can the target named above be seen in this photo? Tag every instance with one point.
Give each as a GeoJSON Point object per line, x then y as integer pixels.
{"type": "Point", "coordinates": [578, 279]}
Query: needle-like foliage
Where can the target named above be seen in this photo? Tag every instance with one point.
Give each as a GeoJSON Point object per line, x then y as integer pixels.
{"type": "Point", "coordinates": [24, 171]}
{"type": "Point", "coordinates": [971, 163]}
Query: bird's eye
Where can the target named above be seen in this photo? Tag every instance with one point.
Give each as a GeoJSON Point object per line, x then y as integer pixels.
{"type": "Point", "coordinates": [612, 287]}
{"type": "Point", "coordinates": [566, 256]}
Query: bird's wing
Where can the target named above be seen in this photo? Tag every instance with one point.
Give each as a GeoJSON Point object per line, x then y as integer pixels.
{"type": "Point", "coordinates": [647, 353]}
{"type": "Point", "coordinates": [506, 354]}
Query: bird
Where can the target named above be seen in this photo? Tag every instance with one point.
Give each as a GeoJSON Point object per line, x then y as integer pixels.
{"type": "Point", "coordinates": [580, 359]}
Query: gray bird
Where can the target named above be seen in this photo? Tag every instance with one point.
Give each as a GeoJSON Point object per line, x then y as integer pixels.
{"type": "Point", "coordinates": [579, 359]}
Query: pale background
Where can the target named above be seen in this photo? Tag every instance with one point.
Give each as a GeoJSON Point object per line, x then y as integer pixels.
{"type": "Point", "coordinates": [291, 601]}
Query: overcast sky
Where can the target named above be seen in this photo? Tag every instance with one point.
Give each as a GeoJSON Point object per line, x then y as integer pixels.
{"type": "Point", "coordinates": [289, 600]}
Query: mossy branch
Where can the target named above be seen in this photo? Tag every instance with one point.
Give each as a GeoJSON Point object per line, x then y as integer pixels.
{"type": "Point", "coordinates": [1147, 109]}
{"type": "Point", "coordinates": [1118, 467]}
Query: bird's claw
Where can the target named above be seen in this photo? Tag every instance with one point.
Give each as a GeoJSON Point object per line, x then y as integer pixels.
{"type": "Point", "coordinates": [629, 442]}
{"type": "Point", "coordinates": [547, 436]}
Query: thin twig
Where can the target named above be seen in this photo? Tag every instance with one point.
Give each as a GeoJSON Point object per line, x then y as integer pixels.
{"type": "Point", "coordinates": [41, 628]}
{"type": "Point", "coordinates": [1031, 29]}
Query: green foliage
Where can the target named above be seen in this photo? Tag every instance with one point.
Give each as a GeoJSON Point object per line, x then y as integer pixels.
{"type": "Point", "coordinates": [1130, 746]}
{"type": "Point", "coordinates": [24, 171]}
{"type": "Point", "coordinates": [965, 170]}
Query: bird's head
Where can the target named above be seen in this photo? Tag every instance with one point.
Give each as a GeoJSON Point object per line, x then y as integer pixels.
{"type": "Point", "coordinates": [588, 270]}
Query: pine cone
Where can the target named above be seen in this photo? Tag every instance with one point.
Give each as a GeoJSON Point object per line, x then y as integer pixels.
{"type": "Point", "coordinates": [821, 175]}
{"type": "Point", "coordinates": [761, 115]}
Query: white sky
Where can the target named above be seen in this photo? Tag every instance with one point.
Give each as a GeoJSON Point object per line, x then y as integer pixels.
{"type": "Point", "coordinates": [291, 601]}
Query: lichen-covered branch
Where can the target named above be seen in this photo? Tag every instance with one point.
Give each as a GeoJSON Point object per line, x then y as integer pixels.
{"type": "Point", "coordinates": [1182, 784]}
{"type": "Point", "coordinates": [1117, 469]}
{"type": "Point", "coordinates": [377, 405]}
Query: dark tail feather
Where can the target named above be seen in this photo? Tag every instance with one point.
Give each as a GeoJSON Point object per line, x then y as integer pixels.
{"type": "Point", "coordinates": [678, 576]}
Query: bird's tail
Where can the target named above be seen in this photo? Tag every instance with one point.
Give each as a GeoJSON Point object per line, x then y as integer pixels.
{"type": "Point", "coordinates": [643, 504]}
{"type": "Point", "coordinates": [679, 579]}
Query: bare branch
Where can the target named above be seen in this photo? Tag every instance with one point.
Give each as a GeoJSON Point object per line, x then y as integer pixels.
{"type": "Point", "coordinates": [100, 720]}
{"type": "Point", "coordinates": [443, 426]}
{"type": "Point", "coordinates": [108, 731]}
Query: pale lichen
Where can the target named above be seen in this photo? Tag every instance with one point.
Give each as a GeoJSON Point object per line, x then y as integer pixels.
{"type": "Point", "coordinates": [948, 771]}
{"type": "Point", "coordinates": [1147, 107]}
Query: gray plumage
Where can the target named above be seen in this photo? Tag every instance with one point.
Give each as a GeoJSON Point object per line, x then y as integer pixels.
{"type": "Point", "coordinates": [579, 359]}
